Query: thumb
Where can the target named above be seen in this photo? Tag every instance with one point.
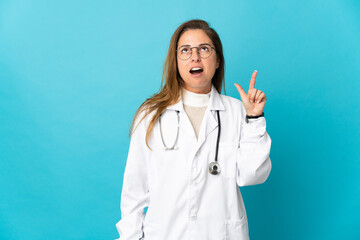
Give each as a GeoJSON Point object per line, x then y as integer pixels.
{"type": "Point", "coordinates": [241, 91]}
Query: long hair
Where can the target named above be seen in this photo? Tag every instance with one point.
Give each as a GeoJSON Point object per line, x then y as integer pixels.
{"type": "Point", "coordinates": [172, 82]}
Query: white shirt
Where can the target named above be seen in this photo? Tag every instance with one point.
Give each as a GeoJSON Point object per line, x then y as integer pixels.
{"type": "Point", "coordinates": [185, 201]}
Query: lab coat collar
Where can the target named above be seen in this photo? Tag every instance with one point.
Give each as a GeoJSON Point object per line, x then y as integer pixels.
{"type": "Point", "coordinates": [215, 102]}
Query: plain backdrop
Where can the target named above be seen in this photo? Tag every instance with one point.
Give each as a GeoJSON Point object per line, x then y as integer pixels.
{"type": "Point", "coordinates": [73, 73]}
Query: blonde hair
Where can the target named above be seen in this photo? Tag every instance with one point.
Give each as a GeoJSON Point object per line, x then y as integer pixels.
{"type": "Point", "coordinates": [172, 83]}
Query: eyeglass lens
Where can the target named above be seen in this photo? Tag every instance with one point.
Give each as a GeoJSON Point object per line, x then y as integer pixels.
{"type": "Point", "coordinates": [185, 52]}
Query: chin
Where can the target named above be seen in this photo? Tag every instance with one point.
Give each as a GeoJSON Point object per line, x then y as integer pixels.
{"type": "Point", "coordinates": [199, 87]}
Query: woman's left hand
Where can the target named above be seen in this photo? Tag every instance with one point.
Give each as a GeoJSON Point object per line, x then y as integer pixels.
{"type": "Point", "coordinates": [254, 100]}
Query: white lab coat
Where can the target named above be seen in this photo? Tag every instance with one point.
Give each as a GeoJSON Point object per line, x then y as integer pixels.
{"type": "Point", "coordinates": [185, 201]}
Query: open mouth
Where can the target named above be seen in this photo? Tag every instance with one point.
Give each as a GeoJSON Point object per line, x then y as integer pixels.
{"type": "Point", "coordinates": [196, 70]}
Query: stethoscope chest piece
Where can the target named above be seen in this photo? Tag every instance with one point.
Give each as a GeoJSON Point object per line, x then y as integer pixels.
{"type": "Point", "coordinates": [214, 168]}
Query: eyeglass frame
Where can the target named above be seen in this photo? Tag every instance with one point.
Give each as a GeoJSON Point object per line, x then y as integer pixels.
{"type": "Point", "coordinates": [197, 48]}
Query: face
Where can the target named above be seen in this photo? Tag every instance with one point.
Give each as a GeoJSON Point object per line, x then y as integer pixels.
{"type": "Point", "coordinates": [197, 72]}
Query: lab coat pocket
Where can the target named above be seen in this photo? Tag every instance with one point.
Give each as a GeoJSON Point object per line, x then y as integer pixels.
{"type": "Point", "coordinates": [237, 229]}
{"type": "Point", "coordinates": [227, 159]}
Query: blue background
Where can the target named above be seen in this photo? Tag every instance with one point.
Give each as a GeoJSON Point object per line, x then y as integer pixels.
{"type": "Point", "coordinates": [72, 74]}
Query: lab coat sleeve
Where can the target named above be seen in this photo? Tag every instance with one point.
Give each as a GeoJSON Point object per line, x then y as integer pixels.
{"type": "Point", "coordinates": [253, 161]}
{"type": "Point", "coordinates": [135, 194]}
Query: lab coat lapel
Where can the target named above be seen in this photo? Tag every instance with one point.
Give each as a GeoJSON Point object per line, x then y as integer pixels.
{"type": "Point", "coordinates": [185, 124]}
{"type": "Point", "coordinates": [209, 122]}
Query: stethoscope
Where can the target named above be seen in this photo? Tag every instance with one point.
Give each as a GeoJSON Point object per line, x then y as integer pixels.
{"type": "Point", "coordinates": [214, 167]}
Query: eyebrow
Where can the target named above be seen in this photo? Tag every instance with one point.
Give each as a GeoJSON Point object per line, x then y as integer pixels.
{"type": "Point", "coordinates": [187, 45]}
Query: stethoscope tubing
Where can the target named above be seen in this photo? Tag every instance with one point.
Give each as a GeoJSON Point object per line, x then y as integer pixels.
{"type": "Point", "coordinates": [218, 136]}
{"type": "Point", "coordinates": [214, 167]}
{"type": "Point", "coordinates": [174, 146]}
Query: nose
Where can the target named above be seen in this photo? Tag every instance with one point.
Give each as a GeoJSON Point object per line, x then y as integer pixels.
{"type": "Point", "coordinates": [195, 56]}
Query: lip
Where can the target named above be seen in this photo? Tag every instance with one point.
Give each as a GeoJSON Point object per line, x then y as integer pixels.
{"type": "Point", "coordinates": [196, 74]}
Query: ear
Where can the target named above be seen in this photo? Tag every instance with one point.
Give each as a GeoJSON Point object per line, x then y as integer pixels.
{"type": "Point", "coordinates": [217, 62]}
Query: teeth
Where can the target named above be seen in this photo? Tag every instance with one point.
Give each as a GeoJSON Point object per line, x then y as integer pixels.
{"type": "Point", "coordinates": [196, 68]}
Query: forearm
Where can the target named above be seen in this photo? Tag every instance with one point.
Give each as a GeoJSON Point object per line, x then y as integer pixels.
{"type": "Point", "coordinates": [253, 161]}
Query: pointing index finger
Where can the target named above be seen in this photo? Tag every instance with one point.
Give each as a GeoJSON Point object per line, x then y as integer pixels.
{"type": "Point", "coordinates": [252, 81]}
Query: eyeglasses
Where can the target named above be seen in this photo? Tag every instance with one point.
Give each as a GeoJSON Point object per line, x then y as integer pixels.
{"type": "Point", "coordinates": [204, 51]}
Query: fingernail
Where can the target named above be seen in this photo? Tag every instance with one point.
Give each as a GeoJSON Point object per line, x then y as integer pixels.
{"type": "Point", "coordinates": [255, 70]}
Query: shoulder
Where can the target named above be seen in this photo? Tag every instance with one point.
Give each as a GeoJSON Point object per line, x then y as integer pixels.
{"type": "Point", "coordinates": [233, 105]}
{"type": "Point", "coordinates": [231, 101]}
{"type": "Point", "coordinates": [147, 116]}
{"type": "Point", "coordinates": [142, 118]}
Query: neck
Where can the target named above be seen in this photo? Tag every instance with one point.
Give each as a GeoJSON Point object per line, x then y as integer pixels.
{"type": "Point", "coordinates": [195, 99]}
{"type": "Point", "coordinates": [199, 90]}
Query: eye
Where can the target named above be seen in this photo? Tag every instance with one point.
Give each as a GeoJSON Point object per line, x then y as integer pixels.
{"type": "Point", "coordinates": [204, 48]}
{"type": "Point", "coordinates": [184, 50]}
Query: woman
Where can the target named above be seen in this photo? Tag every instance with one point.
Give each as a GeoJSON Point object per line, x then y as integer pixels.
{"type": "Point", "coordinates": [191, 148]}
